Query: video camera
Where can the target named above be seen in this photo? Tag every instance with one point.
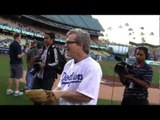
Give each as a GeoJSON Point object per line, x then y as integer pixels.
{"type": "Point", "coordinates": [36, 66]}
{"type": "Point", "coordinates": [122, 66]}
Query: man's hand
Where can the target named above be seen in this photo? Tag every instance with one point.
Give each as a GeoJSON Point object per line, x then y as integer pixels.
{"type": "Point", "coordinates": [57, 93]}
{"type": "Point", "coordinates": [42, 65]}
{"type": "Point", "coordinates": [128, 77]}
{"type": "Point", "coordinates": [21, 55]}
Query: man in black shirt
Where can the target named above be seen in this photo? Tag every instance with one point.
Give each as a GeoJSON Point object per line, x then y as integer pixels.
{"type": "Point", "coordinates": [49, 60]}
{"type": "Point", "coordinates": [16, 70]}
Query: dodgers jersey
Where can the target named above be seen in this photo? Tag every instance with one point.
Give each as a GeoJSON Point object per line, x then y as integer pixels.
{"type": "Point", "coordinates": [83, 77]}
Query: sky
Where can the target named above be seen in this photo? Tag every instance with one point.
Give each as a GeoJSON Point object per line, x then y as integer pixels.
{"type": "Point", "coordinates": [117, 29]}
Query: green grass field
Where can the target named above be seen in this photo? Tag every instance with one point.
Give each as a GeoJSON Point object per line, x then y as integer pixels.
{"type": "Point", "coordinates": [4, 75]}
{"type": "Point", "coordinates": [107, 68]}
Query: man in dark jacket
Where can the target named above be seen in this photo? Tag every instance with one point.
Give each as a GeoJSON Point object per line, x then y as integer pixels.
{"type": "Point", "coordinates": [49, 59]}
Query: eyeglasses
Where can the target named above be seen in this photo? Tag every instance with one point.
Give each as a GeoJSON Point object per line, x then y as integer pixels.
{"type": "Point", "coordinates": [71, 42]}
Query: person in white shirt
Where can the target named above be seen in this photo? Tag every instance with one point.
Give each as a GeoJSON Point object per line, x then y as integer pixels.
{"type": "Point", "coordinates": [80, 80]}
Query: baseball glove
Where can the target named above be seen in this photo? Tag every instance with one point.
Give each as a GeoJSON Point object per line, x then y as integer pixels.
{"type": "Point", "coordinates": [42, 96]}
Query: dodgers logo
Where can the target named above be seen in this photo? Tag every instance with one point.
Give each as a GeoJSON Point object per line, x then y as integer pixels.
{"type": "Point", "coordinates": [72, 78]}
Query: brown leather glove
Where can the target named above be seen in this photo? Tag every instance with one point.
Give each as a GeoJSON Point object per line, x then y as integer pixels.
{"type": "Point", "coordinates": [46, 97]}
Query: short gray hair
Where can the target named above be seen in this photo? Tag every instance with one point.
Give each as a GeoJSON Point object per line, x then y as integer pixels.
{"type": "Point", "coordinates": [83, 37]}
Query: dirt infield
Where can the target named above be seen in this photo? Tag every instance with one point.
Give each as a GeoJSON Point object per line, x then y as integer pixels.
{"type": "Point", "coordinates": [111, 81]}
{"type": "Point", "coordinates": [112, 89]}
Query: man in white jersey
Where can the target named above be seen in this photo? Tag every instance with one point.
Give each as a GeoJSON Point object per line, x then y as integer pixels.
{"type": "Point", "coordinates": [80, 80]}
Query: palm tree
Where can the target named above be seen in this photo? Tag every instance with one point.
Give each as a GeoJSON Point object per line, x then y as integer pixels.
{"type": "Point", "coordinates": [126, 24]}
{"type": "Point", "coordinates": [151, 33]}
{"type": "Point", "coordinates": [130, 29]}
{"type": "Point", "coordinates": [120, 26]}
{"type": "Point", "coordinates": [143, 40]}
{"type": "Point", "coordinates": [142, 33]}
{"type": "Point", "coordinates": [142, 28]}
{"type": "Point", "coordinates": [109, 28]}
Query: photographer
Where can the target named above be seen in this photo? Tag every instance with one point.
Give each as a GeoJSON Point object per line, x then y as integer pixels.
{"type": "Point", "coordinates": [45, 68]}
{"type": "Point", "coordinates": [137, 79]}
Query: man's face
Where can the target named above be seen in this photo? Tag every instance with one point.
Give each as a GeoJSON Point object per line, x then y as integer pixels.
{"type": "Point", "coordinates": [33, 44]}
{"type": "Point", "coordinates": [140, 56]}
{"type": "Point", "coordinates": [47, 40]}
{"type": "Point", "coordinates": [71, 45]}
{"type": "Point", "coordinates": [19, 37]}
